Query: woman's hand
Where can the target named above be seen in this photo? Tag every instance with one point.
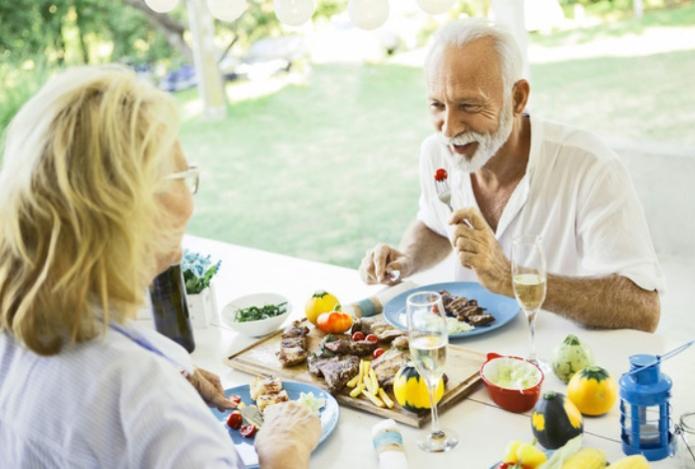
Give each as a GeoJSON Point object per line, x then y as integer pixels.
{"type": "Point", "coordinates": [289, 434]}
{"type": "Point", "coordinates": [210, 389]}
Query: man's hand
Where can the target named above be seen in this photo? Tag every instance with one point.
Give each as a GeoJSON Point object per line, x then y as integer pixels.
{"type": "Point", "coordinates": [289, 434]}
{"type": "Point", "coordinates": [210, 389]}
{"type": "Point", "coordinates": [380, 265]}
{"type": "Point", "coordinates": [478, 249]}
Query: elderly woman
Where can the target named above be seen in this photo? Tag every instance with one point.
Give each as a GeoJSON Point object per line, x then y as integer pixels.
{"type": "Point", "coordinates": [93, 205]}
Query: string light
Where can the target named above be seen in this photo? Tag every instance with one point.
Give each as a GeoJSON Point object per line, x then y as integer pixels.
{"type": "Point", "coordinates": [435, 7]}
{"type": "Point", "coordinates": [294, 12]}
{"type": "Point", "coordinates": [162, 6]}
{"type": "Point", "coordinates": [227, 10]}
{"type": "Point", "coordinates": [368, 14]}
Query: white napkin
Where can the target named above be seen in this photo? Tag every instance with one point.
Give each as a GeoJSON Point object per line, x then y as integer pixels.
{"type": "Point", "coordinates": [388, 443]}
{"type": "Point", "coordinates": [375, 304]}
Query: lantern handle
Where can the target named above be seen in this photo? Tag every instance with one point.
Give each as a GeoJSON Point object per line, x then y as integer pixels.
{"type": "Point", "coordinates": [665, 356]}
{"type": "Point", "coordinates": [675, 351]}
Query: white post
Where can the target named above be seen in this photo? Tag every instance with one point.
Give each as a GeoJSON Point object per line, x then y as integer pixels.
{"type": "Point", "coordinates": [510, 13]}
{"type": "Point", "coordinates": [639, 8]}
{"type": "Point", "coordinates": [210, 85]}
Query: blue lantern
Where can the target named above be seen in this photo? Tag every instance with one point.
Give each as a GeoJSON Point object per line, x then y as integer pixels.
{"type": "Point", "coordinates": [644, 408]}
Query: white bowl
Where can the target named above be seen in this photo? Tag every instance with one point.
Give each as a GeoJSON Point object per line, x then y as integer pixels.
{"type": "Point", "coordinates": [262, 326]}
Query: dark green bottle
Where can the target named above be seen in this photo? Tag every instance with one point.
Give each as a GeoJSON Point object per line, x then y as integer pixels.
{"type": "Point", "coordinates": [169, 307]}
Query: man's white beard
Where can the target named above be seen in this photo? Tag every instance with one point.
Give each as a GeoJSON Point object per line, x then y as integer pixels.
{"type": "Point", "coordinates": [488, 145]}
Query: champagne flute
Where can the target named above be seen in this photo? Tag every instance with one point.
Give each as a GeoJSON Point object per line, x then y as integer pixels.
{"type": "Point", "coordinates": [428, 337]}
{"type": "Point", "coordinates": [529, 277]}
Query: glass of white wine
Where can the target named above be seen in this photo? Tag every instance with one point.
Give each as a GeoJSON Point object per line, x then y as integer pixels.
{"type": "Point", "coordinates": [428, 337]}
{"type": "Point", "coordinates": [529, 277]}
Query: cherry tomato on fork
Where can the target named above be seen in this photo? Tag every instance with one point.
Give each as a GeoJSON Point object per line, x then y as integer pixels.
{"type": "Point", "coordinates": [357, 336]}
{"type": "Point", "coordinates": [247, 431]}
{"type": "Point", "coordinates": [441, 175]}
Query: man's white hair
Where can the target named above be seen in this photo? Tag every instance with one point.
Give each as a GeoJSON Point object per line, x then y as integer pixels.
{"type": "Point", "coordinates": [460, 32]}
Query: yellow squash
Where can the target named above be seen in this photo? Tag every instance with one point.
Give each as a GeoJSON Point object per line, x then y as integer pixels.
{"type": "Point", "coordinates": [636, 461]}
{"type": "Point", "coordinates": [411, 390]}
{"type": "Point", "coordinates": [588, 458]}
{"type": "Point", "coordinates": [593, 391]}
{"type": "Point", "coordinates": [320, 302]}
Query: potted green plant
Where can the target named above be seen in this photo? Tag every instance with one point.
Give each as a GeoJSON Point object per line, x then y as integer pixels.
{"type": "Point", "coordinates": [198, 272]}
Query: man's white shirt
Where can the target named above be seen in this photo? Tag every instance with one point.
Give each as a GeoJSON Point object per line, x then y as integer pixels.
{"type": "Point", "coordinates": [576, 194]}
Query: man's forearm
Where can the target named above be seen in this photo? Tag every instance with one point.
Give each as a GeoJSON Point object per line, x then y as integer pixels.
{"type": "Point", "coordinates": [611, 302]}
{"type": "Point", "coordinates": [424, 247]}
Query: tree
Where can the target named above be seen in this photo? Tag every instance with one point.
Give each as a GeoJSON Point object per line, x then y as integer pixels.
{"type": "Point", "coordinates": [71, 30]}
{"type": "Point", "coordinates": [172, 29]}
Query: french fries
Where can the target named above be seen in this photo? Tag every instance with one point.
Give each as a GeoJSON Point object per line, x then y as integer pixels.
{"type": "Point", "coordinates": [367, 384]}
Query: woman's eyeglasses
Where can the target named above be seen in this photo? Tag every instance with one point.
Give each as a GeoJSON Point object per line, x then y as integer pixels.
{"type": "Point", "coordinates": [191, 177]}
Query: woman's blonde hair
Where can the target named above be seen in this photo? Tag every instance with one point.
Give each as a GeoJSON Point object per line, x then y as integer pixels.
{"type": "Point", "coordinates": [80, 226]}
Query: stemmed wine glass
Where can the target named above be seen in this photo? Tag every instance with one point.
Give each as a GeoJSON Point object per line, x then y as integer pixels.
{"type": "Point", "coordinates": [428, 337]}
{"type": "Point", "coordinates": [529, 277]}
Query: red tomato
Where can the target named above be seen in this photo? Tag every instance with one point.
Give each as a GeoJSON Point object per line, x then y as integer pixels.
{"type": "Point", "coordinates": [357, 336]}
{"type": "Point", "coordinates": [372, 338]}
{"type": "Point", "coordinates": [441, 175]}
{"type": "Point", "coordinates": [334, 322]}
{"type": "Point", "coordinates": [378, 352]}
{"type": "Point", "coordinates": [247, 431]}
{"type": "Point", "coordinates": [510, 465]}
{"type": "Point", "coordinates": [235, 399]}
{"type": "Point", "coordinates": [235, 420]}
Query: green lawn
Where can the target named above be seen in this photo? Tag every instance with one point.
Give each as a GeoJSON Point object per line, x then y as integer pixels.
{"type": "Point", "coordinates": [325, 170]}
{"type": "Point", "coordinates": [319, 171]}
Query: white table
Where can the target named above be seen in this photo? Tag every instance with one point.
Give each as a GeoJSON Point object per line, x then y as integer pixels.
{"type": "Point", "coordinates": [484, 428]}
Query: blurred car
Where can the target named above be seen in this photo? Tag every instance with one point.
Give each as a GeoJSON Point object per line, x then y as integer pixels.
{"type": "Point", "coordinates": [267, 57]}
{"type": "Point", "coordinates": [179, 79]}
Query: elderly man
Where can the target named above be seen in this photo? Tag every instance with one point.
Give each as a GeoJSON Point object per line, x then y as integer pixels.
{"type": "Point", "coordinates": [514, 174]}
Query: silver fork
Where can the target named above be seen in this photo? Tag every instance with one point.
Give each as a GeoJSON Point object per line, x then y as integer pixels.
{"type": "Point", "coordinates": [252, 415]}
{"type": "Point", "coordinates": [444, 195]}
{"type": "Point", "coordinates": [444, 192]}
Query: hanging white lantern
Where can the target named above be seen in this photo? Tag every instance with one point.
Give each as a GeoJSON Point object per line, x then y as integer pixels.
{"type": "Point", "coordinates": [294, 12]}
{"type": "Point", "coordinates": [227, 10]}
{"type": "Point", "coordinates": [162, 6]}
{"type": "Point", "coordinates": [435, 7]}
{"type": "Point", "coordinates": [368, 14]}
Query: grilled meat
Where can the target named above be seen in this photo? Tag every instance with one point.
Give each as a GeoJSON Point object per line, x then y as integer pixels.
{"type": "Point", "coordinates": [465, 309]}
{"type": "Point", "coordinates": [383, 330]}
{"type": "Point", "coordinates": [294, 345]}
{"type": "Point", "coordinates": [349, 346]}
{"type": "Point", "coordinates": [478, 320]}
{"type": "Point", "coordinates": [387, 365]}
{"type": "Point", "coordinates": [401, 342]}
{"type": "Point", "coordinates": [295, 329]}
{"type": "Point", "coordinates": [337, 371]}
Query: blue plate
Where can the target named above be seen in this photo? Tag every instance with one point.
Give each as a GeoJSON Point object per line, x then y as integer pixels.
{"type": "Point", "coordinates": [244, 446]}
{"type": "Point", "coordinates": [502, 308]}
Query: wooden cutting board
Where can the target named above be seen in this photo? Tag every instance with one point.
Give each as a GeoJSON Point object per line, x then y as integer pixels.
{"type": "Point", "coordinates": [462, 369]}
